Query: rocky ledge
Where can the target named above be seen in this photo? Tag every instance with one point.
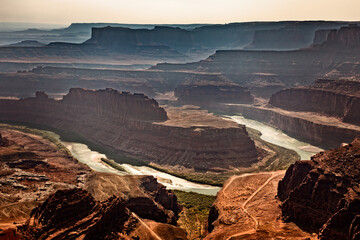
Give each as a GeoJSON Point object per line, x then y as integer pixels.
{"type": "Point", "coordinates": [323, 194]}
{"type": "Point", "coordinates": [81, 201]}
{"type": "Point", "coordinates": [338, 98]}
{"type": "Point", "coordinates": [208, 89]}
{"type": "Point", "coordinates": [134, 124]}
{"type": "Point", "coordinates": [75, 214]}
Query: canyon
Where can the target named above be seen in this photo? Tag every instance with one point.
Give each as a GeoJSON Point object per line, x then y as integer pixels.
{"type": "Point", "coordinates": [261, 71]}
{"type": "Point", "coordinates": [319, 130]}
{"type": "Point", "coordinates": [46, 193]}
{"type": "Point", "coordinates": [135, 125]}
{"type": "Point", "coordinates": [156, 43]}
{"type": "Point", "coordinates": [301, 77]}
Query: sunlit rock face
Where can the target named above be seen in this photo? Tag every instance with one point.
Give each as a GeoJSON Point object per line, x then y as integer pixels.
{"type": "Point", "coordinates": [339, 98]}
{"type": "Point", "coordinates": [136, 125]}
{"type": "Point", "coordinates": [323, 195]}
{"type": "Point", "coordinates": [74, 213]}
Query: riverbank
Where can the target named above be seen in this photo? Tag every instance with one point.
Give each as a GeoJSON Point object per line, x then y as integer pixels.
{"type": "Point", "coordinates": [274, 158]}
{"type": "Point", "coordinates": [93, 159]}
{"type": "Point", "coordinates": [322, 131]}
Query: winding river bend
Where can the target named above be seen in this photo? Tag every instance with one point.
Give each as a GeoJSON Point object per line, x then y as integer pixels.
{"type": "Point", "coordinates": [269, 134]}
{"type": "Point", "coordinates": [93, 160]}
{"type": "Point", "coordinates": [277, 137]}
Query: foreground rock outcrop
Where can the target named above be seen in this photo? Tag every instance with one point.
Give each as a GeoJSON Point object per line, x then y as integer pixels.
{"type": "Point", "coordinates": [338, 98]}
{"type": "Point", "coordinates": [82, 203]}
{"type": "Point", "coordinates": [31, 168]}
{"type": "Point", "coordinates": [323, 195]}
{"type": "Point", "coordinates": [247, 208]}
{"type": "Point", "coordinates": [75, 214]}
{"type": "Point", "coordinates": [135, 124]}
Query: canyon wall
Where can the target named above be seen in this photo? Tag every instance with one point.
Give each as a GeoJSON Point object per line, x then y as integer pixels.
{"type": "Point", "coordinates": [206, 88]}
{"type": "Point", "coordinates": [204, 94]}
{"type": "Point", "coordinates": [335, 98]}
{"type": "Point", "coordinates": [158, 43]}
{"type": "Point", "coordinates": [134, 124]}
{"type": "Point", "coordinates": [286, 68]}
{"type": "Point", "coordinates": [321, 36]}
{"type": "Point", "coordinates": [344, 37]}
{"type": "Point", "coordinates": [322, 194]}
{"type": "Point", "coordinates": [324, 132]}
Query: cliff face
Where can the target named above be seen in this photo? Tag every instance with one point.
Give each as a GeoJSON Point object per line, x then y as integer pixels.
{"type": "Point", "coordinates": [320, 131]}
{"type": "Point", "coordinates": [323, 194]}
{"type": "Point", "coordinates": [321, 36]}
{"type": "Point", "coordinates": [125, 123]}
{"type": "Point", "coordinates": [204, 94]}
{"type": "Point", "coordinates": [344, 37]}
{"type": "Point", "coordinates": [205, 89]}
{"type": "Point", "coordinates": [70, 214]}
{"type": "Point", "coordinates": [280, 39]}
{"type": "Point", "coordinates": [334, 98]}
{"type": "Point", "coordinates": [287, 68]}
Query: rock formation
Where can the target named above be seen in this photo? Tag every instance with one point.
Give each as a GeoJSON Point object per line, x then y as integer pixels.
{"type": "Point", "coordinates": [321, 36]}
{"type": "Point", "coordinates": [32, 168]}
{"type": "Point", "coordinates": [75, 214]}
{"type": "Point", "coordinates": [146, 197]}
{"type": "Point", "coordinates": [247, 208]}
{"type": "Point", "coordinates": [135, 124]}
{"type": "Point", "coordinates": [287, 68]}
{"type": "Point", "coordinates": [208, 89]}
{"type": "Point", "coordinates": [348, 37]}
{"type": "Point", "coordinates": [177, 43]}
{"type": "Point", "coordinates": [322, 194]}
{"type": "Point", "coordinates": [319, 130]}
{"type": "Point", "coordinates": [337, 98]}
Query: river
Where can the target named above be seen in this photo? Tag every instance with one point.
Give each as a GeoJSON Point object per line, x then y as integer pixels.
{"type": "Point", "coordinates": [275, 136]}
{"type": "Point", "coordinates": [93, 160]}
{"type": "Point", "coordinates": [269, 134]}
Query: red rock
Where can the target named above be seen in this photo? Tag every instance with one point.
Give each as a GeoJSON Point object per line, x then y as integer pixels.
{"type": "Point", "coordinates": [337, 98]}
{"type": "Point", "coordinates": [134, 124]}
{"type": "Point", "coordinates": [322, 194]}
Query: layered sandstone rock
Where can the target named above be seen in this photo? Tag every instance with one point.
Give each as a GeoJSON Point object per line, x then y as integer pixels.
{"type": "Point", "coordinates": [348, 37]}
{"type": "Point", "coordinates": [32, 168]}
{"type": "Point", "coordinates": [324, 131]}
{"type": "Point", "coordinates": [134, 124]}
{"type": "Point", "coordinates": [289, 68]}
{"type": "Point", "coordinates": [323, 194]}
{"type": "Point", "coordinates": [143, 195]}
{"type": "Point", "coordinates": [321, 36]}
{"type": "Point", "coordinates": [75, 214]}
{"type": "Point", "coordinates": [337, 98]}
{"type": "Point", "coordinates": [211, 88]}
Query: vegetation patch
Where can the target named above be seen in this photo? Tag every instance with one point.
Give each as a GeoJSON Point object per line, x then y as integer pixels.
{"type": "Point", "coordinates": [193, 217]}
{"type": "Point", "coordinates": [113, 164]}
{"type": "Point", "coordinates": [42, 133]}
{"type": "Point", "coordinates": [283, 157]}
{"type": "Point", "coordinates": [68, 136]}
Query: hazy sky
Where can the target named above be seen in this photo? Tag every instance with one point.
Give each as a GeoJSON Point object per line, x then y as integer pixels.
{"type": "Point", "coordinates": [175, 11]}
